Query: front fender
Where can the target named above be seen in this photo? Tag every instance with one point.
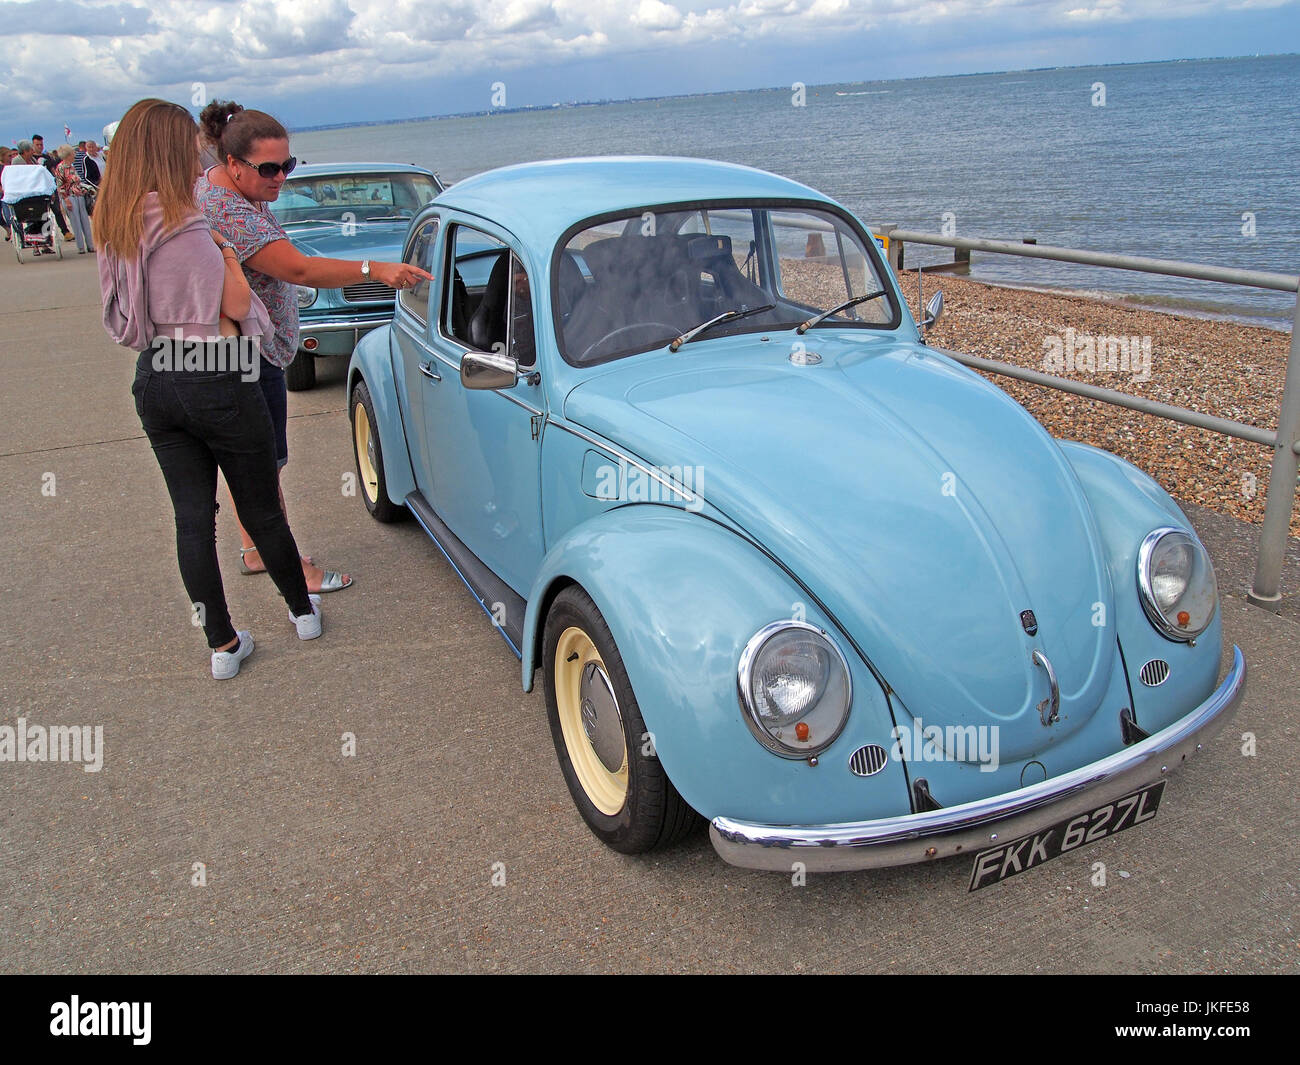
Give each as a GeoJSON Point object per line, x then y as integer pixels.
{"type": "Point", "coordinates": [1128, 504]}
{"type": "Point", "coordinates": [682, 595]}
{"type": "Point", "coordinates": [372, 361]}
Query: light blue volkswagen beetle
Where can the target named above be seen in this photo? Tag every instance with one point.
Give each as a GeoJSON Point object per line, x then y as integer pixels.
{"type": "Point", "coordinates": [780, 564]}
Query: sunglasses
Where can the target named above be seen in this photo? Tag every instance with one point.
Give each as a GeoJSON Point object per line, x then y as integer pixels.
{"type": "Point", "coordinates": [269, 170]}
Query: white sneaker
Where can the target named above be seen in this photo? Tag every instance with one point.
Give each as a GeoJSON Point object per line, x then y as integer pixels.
{"type": "Point", "coordinates": [225, 664]}
{"type": "Point", "coordinates": [308, 625]}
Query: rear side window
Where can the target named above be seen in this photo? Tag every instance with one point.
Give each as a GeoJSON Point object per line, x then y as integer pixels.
{"type": "Point", "coordinates": [416, 298]}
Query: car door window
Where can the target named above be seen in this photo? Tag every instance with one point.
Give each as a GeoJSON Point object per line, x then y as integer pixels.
{"type": "Point", "coordinates": [420, 253]}
{"type": "Point", "coordinates": [488, 297]}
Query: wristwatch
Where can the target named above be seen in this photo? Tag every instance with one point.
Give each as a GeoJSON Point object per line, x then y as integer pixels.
{"type": "Point", "coordinates": [365, 269]}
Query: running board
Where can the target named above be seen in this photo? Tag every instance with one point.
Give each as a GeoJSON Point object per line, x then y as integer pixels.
{"type": "Point", "coordinates": [499, 601]}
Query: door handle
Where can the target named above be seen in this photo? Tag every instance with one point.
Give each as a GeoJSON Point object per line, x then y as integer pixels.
{"type": "Point", "coordinates": [427, 369]}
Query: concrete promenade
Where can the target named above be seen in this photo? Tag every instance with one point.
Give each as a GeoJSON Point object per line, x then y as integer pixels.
{"type": "Point", "coordinates": [385, 861]}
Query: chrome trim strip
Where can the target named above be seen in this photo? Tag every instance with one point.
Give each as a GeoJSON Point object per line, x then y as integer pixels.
{"type": "Point", "coordinates": [649, 471]}
{"type": "Point", "coordinates": [335, 325]}
{"type": "Point", "coordinates": [971, 827]}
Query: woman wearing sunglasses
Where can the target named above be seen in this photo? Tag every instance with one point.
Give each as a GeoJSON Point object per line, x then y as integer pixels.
{"type": "Point", "coordinates": [234, 197]}
{"type": "Point", "coordinates": [172, 290]}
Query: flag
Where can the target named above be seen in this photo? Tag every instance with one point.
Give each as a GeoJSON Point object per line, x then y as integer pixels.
{"type": "Point", "coordinates": [67, 134]}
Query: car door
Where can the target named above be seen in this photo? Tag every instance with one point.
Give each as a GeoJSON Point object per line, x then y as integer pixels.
{"type": "Point", "coordinates": [485, 445]}
{"type": "Point", "coordinates": [420, 371]}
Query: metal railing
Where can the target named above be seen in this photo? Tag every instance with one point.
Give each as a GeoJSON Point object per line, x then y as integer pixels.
{"type": "Point", "coordinates": [1285, 440]}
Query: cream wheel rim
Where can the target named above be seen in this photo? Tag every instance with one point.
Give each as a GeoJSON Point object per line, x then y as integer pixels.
{"type": "Point", "coordinates": [365, 442]}
{"type": "Point", "coordinates": [591, 721]}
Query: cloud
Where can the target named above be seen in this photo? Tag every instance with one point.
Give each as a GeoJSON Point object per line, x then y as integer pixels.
{"type": "Point", "coordinates": [656, 15]}
{"type": "Point", "coordinates": [260, 51]}
{"type": "Point", "coordinates": [73, 18]}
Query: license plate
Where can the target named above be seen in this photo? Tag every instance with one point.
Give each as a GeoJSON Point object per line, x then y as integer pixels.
{"type": "Point", "coordinates": [1007, 859]}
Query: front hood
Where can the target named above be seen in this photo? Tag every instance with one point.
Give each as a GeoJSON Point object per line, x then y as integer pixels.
{"type": "Point", "coordinates": [923, 506]}
{"type": "Point", "coordinates": [372, 240]}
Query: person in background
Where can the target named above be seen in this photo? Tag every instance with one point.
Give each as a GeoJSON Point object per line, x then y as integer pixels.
{"type": "Point", "coordinates": [95, 155]}
{"type": "Point", "coordinates": [164, 273]}
{"type": "Point", "coordinates": [48, 161]}
{"type": "Point", "coordinates": [209, 150]}
{"type": "Point", "coordinates": [6, 157]}
{"type": "Point", "coordinates": [234, 195]}
{"type": "Point", "coordinates": [73, 194]}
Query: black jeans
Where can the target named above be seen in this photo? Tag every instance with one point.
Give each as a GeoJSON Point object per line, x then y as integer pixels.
{"type": "Point", "coordinates": [198, 421]}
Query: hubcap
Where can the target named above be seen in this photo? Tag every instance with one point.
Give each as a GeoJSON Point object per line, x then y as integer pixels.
{"type": "Point", "coordinates": [365, 444]}
{"type": "Point", "coordinates": [590, 721]}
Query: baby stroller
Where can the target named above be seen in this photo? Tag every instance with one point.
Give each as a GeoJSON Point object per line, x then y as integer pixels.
{"type": "Point", "coordinates": [29, 199]}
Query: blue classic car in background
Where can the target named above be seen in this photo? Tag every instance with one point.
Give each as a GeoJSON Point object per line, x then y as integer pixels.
{"type": "Point", "coordinates": [347, 211]}
{"type": "Point", "coordinates": [780, 563]}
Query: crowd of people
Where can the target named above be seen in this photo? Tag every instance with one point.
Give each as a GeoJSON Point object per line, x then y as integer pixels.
{"type": "Point", "coordinates": [191, 254]}
{"type": "Point", "coordinates": [77, 170]}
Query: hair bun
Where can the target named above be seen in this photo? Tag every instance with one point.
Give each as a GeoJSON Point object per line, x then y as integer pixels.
{"type": "Point", "coordinates": [214, 118]}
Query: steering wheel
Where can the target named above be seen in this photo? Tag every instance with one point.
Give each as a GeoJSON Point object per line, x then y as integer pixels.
{"type": "Point", "coordinates": [672, 329]}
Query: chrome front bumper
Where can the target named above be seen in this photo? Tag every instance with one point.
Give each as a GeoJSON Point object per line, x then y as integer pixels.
{"type": "Point", "coordinates": [974, 826]}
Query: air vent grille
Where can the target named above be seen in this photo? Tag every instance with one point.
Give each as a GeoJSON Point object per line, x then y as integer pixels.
{"type": "Point", "coordinates": [1154, 673]}
{"type": "Point", "coordinates": [868, 761]}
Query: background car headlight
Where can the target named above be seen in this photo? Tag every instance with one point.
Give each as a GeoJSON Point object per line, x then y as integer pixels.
{"type": "Point", "coordinates": [306, 295]}
{"type": "Point", "coordinates": [1176, 583]}
{"type": "Point", "coordinates": [795, 688]}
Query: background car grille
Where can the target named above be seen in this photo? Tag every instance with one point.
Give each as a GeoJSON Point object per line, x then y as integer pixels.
{"type": "Point", "coordinates": [368, 292]}
{"type": "Point", "coordinates": [1154, 673]}
{"type": "Point", "coordinates": [868, 761]}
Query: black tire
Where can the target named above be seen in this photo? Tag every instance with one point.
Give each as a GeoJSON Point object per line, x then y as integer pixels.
{"type": "Point", "coordinates": [300, 375]}
{"type": "Point", "coordinates": [652, 814]}
{"type": "Point", "coordinates": [370, 474]}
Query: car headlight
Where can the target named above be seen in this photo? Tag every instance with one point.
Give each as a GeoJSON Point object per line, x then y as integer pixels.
{"type": "Point", "coordinates": [306, 295]}
{"type": "Point", "coordinates": [795, 688]}
{"type": "Point", "coordinates": [1176, 583]}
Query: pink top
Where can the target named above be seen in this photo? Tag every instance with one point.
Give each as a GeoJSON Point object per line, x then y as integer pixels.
{"type": "Point", "coordinates": [176, 283]}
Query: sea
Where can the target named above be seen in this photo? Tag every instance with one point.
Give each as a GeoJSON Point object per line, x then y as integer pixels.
{"type": "Point", "coordinates": [1195, 160]}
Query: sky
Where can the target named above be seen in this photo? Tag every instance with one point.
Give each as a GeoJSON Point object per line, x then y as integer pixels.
{"type": "Point", "coordinates": [81, 63]}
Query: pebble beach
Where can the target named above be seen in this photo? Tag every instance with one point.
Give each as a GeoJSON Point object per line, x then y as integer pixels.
{"type": "Point", "coordinates": [1220, 368]}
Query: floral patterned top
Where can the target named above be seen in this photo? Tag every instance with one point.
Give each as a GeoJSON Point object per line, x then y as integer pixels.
{"type": "Point", "coordinates": [67, 180]}
{"type": "Point", "coordinates": [250, 227]}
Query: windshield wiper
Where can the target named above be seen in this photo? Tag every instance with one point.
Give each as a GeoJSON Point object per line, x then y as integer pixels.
{"type": "Point", "coordinates": [726, 316]}
{"type": "Point", "coordinates": [836, 310]}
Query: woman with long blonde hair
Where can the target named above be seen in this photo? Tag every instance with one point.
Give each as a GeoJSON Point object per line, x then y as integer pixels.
{"type": "Point", "coordinates": [174, 291]}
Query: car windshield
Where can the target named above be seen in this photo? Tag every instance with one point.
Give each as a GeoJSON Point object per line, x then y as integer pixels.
{"type": "Point", "coordinates": [352, 198]}
{"type": "Point", "coordinates": [638, 283]}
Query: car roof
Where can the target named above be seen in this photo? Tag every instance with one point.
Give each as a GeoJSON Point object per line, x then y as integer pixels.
{"type": "Point", "coordinates": [329, 169]}
{"type": "Point", "coordinates": [539, 201]}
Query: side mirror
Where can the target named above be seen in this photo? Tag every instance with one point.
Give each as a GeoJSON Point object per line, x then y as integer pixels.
{"type": "Point", "coordinates": [487, 371]}
{"type": "Point", "coordinates": [933, 310]}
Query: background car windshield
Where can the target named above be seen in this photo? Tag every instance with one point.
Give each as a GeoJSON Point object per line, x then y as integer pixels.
{"type": "Point", "coordinates": [352, 197]}
{"type": "Point", "coordinates": [633, 284]}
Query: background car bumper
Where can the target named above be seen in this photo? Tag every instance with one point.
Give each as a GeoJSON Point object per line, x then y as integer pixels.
{"type": "Point", "coordinates": [971, 827]}
{"type": "Point", "coordinates": [338, 336]}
